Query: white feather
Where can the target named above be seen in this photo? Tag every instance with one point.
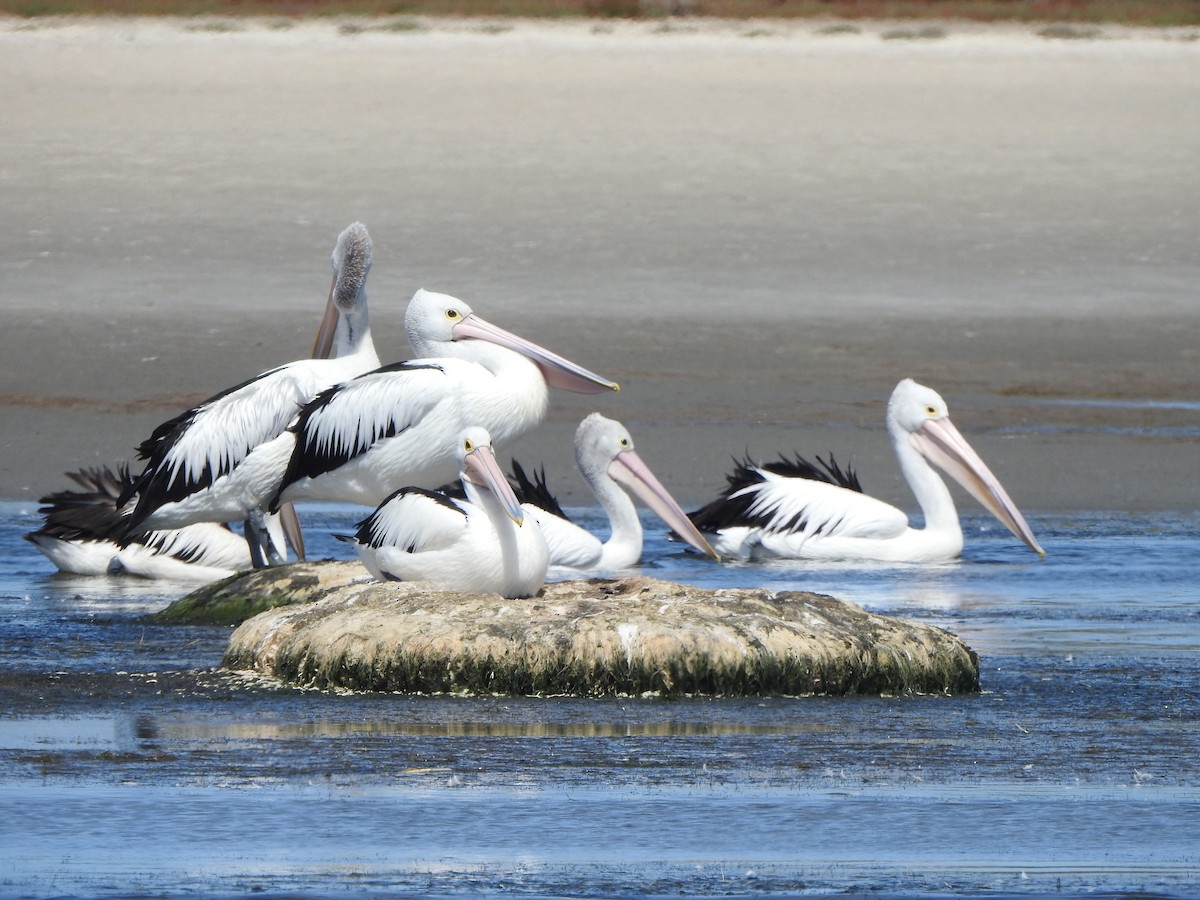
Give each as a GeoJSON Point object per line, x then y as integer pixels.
{"type": "Point", "coordinates": [207, 445]}
{"type": "Point", "coordinates": [797, 517]}
{"type": "Point", "coordinates": [223, 431]}
{"type": "Point", "coordinates": [570, 546]}
{"type": "Point", "coordinates": [467, 545]}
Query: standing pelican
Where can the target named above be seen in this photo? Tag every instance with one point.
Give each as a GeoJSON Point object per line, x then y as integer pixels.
{"type": "Point", "coordinates": [479, 545]}
{"type": "Point", "coordinates": [80, 533]}
{"type": "Point", "coordinates": [399, 426]}
{"type": "Point", "coordinates": [793, 510]}
{"type": "Point", "coordinates": [193, 457]}
{"type": "Point", "coordinates": [396, 426]}
{"type": "Point", "coordinates": [605, 456]}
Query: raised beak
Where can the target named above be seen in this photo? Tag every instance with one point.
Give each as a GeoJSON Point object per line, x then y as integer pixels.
{"type": "Point", "coordinates": [628, 470]}
{"type": "Point", "coordinates": [482, 469]}
{"type": "Point", "coordinates": [292, 532]}
{"type": "Point", "coordinates": [558, 372]}
{"type": "Point", "coordinates": [944, 446]}
{"type": "Point", "coordinates": [323, 345]}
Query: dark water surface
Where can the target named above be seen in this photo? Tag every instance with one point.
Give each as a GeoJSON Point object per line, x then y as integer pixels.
{"type": "Point", "coordinates": [131, 764]}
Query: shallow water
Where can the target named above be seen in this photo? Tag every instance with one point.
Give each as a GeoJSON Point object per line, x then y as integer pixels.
{"type": "Point", "coordinates": [133, 765]}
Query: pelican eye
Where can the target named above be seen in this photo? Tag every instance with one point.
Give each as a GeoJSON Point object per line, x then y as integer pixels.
{"type": "Point", "coordinates": [931, 410]}
{"type": "Point", "coordinates": [453, 314]}
{"type": "Point", "coordinates": [625, 443]}
{"type": "Point", "coordinates": [469, 445]}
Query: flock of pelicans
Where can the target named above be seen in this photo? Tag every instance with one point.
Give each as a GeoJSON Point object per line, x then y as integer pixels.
{"type": "Point", "coordinates": [416, 440]}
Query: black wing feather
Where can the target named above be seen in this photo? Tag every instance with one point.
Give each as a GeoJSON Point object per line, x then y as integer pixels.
{"type": "Point", "coordinates": [535, 490]}
{"type": "Point", "coordinates": [732, 508]}
{"type": "Point", "coordinates": [159, 483]}
{"type": "Point", "coordinates": [90, 514]}
{"type": "Point", "coordinates": [370, 531]}
{"type": "Point", "coordinates": [153, 483]}
{"type": "Point", "coordinates": [308, 461]}
{"type": "Point", "coordinates": [828, 471]}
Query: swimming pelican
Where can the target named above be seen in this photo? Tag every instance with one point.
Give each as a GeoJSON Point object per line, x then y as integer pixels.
{"type": "Point", "coordinates": [480, 545]}
{"type": "Point", "coordinates": [80, 527]}
{"type": "Point", "coordinates": [193, 457]}
{"type": "Point", "coordinates": [359, 441]}
{"type": "Point", "coordinates": [605, 456]}
{"type": "Point", "coordinates": [794, 510]}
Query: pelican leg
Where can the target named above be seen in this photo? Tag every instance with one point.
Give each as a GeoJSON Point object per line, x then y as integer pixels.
{"type": "Point", "coordinates": [254, 542]}
{"type": "Point", "coordinates": [263, 551]}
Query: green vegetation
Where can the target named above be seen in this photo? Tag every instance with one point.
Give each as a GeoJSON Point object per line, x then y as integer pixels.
{"type": "Point", "coordinates": [1083, 12]}
{"type": "Point", "coordinates": [218, 26]}
{"type": "Point", "coordinates": [1069, 32]}
{"type": "Point", "coordinates": [839, 28]}
{"type": "Point", "coordinates": [237, 598]}
{"type": "Point", "coordinates": [928, 33]}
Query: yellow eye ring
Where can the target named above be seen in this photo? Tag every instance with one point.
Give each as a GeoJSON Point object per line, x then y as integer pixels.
{"type": "Point", "coordinates": [931, 410]}
{"type": "Point", "coordinates": [469, 445]}
{"type": "Point", "coordinates": [453, 314]}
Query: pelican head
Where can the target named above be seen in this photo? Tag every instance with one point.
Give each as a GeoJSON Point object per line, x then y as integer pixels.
{"type": "Point", "coordinates": [604, 447]}
{"type": "Point", "coordinates": [918, 415]}
{"type": "Point", "coordinates": [351, 261]}
{"type": "Point", "coordinates": [435, 319]}
{"type": "Point", "coordinates": [478, 467]}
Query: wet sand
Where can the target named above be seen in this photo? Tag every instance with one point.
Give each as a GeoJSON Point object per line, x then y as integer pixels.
{"type": "Point", "coordinates": [756, 229]}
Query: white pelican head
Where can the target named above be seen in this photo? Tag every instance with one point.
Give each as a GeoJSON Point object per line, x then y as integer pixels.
{"type": "Point", "coordinates": [478, 468]}
{"type": "Point", "coordinates": [436, 320]}
{"type": "Point", "coordinates": [918, 415]}
{"type": "Point", "coordinates": [604, 448]}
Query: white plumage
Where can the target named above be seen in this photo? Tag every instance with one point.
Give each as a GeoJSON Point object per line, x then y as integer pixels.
{"type": "Point", "coordinates": [399, 425]}
{"type": "Point", "coordinates": [195, 460]}
{"type": "Point", "coordinates": [78, 536]}
{"type": "Point", "coordinates": [798, 510]}
{"type": "Point", "coordinates": [612, 469]}
{"type": "Point", "coordinates": [478, 545]}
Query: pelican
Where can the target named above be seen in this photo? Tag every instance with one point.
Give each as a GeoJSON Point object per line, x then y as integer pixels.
{"type": "Point", "coordinates": [795, 510]}
{"type": "Point", "coordinates": [613, 470]}
{"type": "Point", "coordinates": [193, 457]}
{"type": "Point", "coordinates": [479, 545]}
{"type": "Point", "coordinates": [399, 425]}
{"type": "Point", "coordinates": [80, 527]}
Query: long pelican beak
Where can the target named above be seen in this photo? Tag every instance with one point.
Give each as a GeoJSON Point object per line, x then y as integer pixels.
{"type": "Point", "coordinates": [289, 519]}
{"type": "Point", "coordinates": [944, 446]}
{"type": "Point", "coordinates": [323, 345]}
{"type": "Point", "coordinates": [558, 372]}
{"type": "Point", "coordinates": [480, 468]}
{"type": "Point", "coordinates": [628, 470]}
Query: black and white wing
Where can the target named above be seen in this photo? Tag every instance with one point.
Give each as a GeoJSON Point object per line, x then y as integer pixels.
{"type": "Point", "coordinates": [347, 420]}
{"type": "Point", "coordinates": [189, 452]}
{"type": "Point", "coordinates": [798, 497]}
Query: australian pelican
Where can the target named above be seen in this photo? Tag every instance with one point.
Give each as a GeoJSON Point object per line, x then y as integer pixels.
{"type": "Point", "coordinates": [194, 459]}
{"type": "Point", "coordinates": [797, 510]}
{"type": "Point", "coordinates": [613, 470]}
{"type": "Point", "coordinates": [81, 527]}
{"type": "Point", "coordinates": [399, 425]}
{"type": "Point", "coordinates": [481, 545]}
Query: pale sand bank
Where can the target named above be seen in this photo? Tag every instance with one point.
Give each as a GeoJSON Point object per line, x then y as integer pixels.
{"type": "Point", "coordinates": [758, 228]}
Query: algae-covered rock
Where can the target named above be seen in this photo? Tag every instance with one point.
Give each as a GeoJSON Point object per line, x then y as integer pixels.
{"type": "Point", "coordinates": [235, 599]}
{"type": "Point", "coordinates": [592, 638]}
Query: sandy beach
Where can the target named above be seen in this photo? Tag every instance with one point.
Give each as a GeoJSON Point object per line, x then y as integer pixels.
{"type": "Point", "coordinates": [757, 228]}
